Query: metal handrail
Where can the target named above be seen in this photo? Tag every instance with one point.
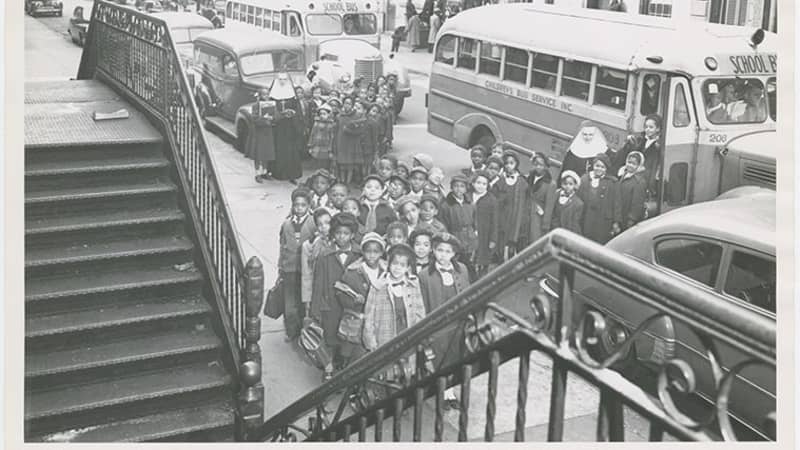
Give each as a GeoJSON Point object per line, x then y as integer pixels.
{"type": "Point", "coordinates": [138, 56]}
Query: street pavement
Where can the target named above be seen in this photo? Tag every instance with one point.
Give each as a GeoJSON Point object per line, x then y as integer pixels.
{"type": "Point", "coordinates": [257, 211]}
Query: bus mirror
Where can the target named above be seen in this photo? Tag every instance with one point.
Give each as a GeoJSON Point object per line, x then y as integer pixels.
{"type": "Point", "coordinates": [757, 38]}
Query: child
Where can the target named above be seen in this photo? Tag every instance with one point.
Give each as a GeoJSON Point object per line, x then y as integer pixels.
{"type": "Point", "coordinates": [421, 242]}
{"type": "Point", "coordinates": [397, 36]}
{"type": "Point", "coordinates": [260, 146]}
{"type": "Point", "coordinates": [477, 154]}
{"type": "Point", "coordinates": [435, 184]}
{"type": "Point", "coordinates": [376, 214]}
{"type": "Point", "coordinates": [498, 150]}
{"type": "Point", "coordinates": [402, 169]}
{"type": "Point", "coordinates": [632, 191]}
{"type": "Point", "coordinates": [568, 212]}
{"type": "Point", "coordinates": [320, 140]}
{"type": "Point", "coordinates": [512, 189]}
{"type": "Point", "coordinates": [408, 210]}
{"type": "Point", "coordinates": [457, 213]}
{"type": "Point", "coordinates": [422, 160]}
{"type": "Point", "coordinates": [336, 108]}
{"type": "Point", "coordinates": [487, 221]}
{"type": "Point", "coordinates": [351, 205]}
{"type": "Point", "coordinates": [329, 269]}
{"type": "Point", "coordinates": [396, 303]}
{"type": "Point", "coordinates": [385, 167]}
{"type": "Point", "coordinates": [389, 117]}
{"type": "Point", "coordinates": [417, 178]}
{"type": "Point", "coordinates": [336, 196]}
{"type": "Point", "coordinates": [295, 230]}
{"type": "Point", "coordinates": [494, 167]}
{"type": "Point", "coordinates": [316, 96]}
{"type": "Point", "coordinates": [359, 278]}
{"type": "Point", "coordinates": [347, 146]}
{"type": "Point", "coordinates": [397, 188]}
{"type": "Point", "coordinates": [428, 211]}
{"type": "Point", "coordinates": [396, 233]}
{"type": "Point", "coordinates": [541, 197]}
{"type": "Point", "coordinates": [311, 249]}
{"type": "Point", "coordinates": [319, 182]}
{"type": "Point", "coordinates": [375, 113]}
{"type": "Point", "coordinates": [598, 191]}
{"type": "Point", "coordinates": [369, 136]}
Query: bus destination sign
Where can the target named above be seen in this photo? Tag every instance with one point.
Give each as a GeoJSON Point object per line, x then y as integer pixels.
{"type": "Point", "coordinates": [753, 64]}
{"type": "Point", "coordinates": [340, 6]}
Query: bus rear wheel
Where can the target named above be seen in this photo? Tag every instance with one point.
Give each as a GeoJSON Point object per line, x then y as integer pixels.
{"type": "Point", "coordinates": [483, 137]}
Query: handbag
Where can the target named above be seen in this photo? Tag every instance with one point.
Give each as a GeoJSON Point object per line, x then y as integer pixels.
{"type": "Point", "coordinates": [313, 344]}
{"type": "Point", "coordinates": [351, 326]}
{"type": "Point", "coordinates": [274, 305]}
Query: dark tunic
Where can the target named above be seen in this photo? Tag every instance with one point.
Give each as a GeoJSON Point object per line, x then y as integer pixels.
{"type": "Point", "coordinates": [632, 193]}
{"type": "Point", "coordinates": [459, 218]}
{"type": "Point", "coordinates": [487, 223]}
{"type": "Point", "coordinates": [512, 208]}
{"type": "Point", "coordinates": [569, 215]}
{"type": "Point", "coordinates": [598, 207]}
{"type": "Point", "coordinates": [354, 277]}
{"type": "Point", "coordinates": [324, 306]}
{"type": "Point", "coordinates": [448, 343]}
{"type": "Point", "coordinates": [260, 145]}
{"type": "Point", "coordinates": [574, 163]}
{"type": "Point", "coordinates": [347, 146]}
{"type": "Point", "coordinates": [289, 142]}
{"type": "Point", "coordinates": [541, 200]}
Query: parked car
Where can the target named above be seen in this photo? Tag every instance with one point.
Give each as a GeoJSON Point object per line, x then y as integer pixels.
{"type": "Point", "coordinates": [78, 26]}
{"type": "Point", "coordinates": [725, 246]}
{"type": "Point", "coordinates": [37, 8]}
{"type": "Point", "coordinates": [184, 27]}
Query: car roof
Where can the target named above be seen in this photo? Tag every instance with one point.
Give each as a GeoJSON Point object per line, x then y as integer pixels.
{"type": "Point", "coordinates": [241, 41]}
{"type": "Point", "coordinates": [747, 221]}
{"type": "Point", "coordinates": [183, 19]}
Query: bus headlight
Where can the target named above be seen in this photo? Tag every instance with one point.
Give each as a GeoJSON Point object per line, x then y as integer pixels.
{"type": "Point", "coordinates": [711, 63]}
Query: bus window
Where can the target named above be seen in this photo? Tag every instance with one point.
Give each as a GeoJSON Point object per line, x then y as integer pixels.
{"type": "Point", "coordinates": [294, 26]}
{"type": "Point", "coordinates": [259, 17]}
{"type": "Point", "coordinates": [276, 21]}
{"type": "Point", "coordinates": [235, 11]}
{"type": "Point", "coordinates": [544, 71]}
{"type": "Point", "coordinates": [516, 67]}
{"type": "Point", "coordinates": [735, 100]}
{"type": "Point", "coordinates": [229, 10]}
{"type": "Point", "coordinates": [466, 53]}
{"type": "Point", "coordinates": [772, 91]}
{"type": "Point", "coordinates": [490, 59]}
{"type": "Point", "coordinates": [680, 112]}
{"type": "Point", "coordinates": [676, 183]}
{"type": "Point", "coordinates": [251, 15]}
{"type": "Point", "coordinates": [360, 24]}
{"type": "Point", "coordinates": [651, 94]}
{"type": "Point", "coordinates": [323, 24]}
{"type": "Point", "coordinates": [611, 88]}
{"type": "Point", "coordinates": [576, 79]}
{"type": "Point", "coordinates": [446, 50]}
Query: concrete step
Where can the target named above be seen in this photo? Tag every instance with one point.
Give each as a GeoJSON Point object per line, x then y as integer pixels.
{"type": "Point", "coordinates": [98, 192]}
{"type": "Point", "coordinates": [99, 250]}
{"type": "Point", "coordinates": [88, 164]}
{"type": "Point", "coordinates": [101, 219]}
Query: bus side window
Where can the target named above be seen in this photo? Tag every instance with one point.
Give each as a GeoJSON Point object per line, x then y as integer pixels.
{"type": "Point", "coordinates": [251, 15]}
{"type": "Point", "coordinates": [276, 21]}
{"type": "Point", "coordinates": [234, 11]}
{"type": "Point", "coordinates": [651, 94]}
{"type": "Point", "coordinates": [259, 17]}
{"type": "Point", "coordinates": [466, 53]}
{"type": "Point", "coordinates": [680, 113]}
{"type": "Point", "coordinates": [446, 50]}
{"type": "Point", "coordinates": [490, 59]}
{"type": "Point", "coordinates": [516, 65]}
{"type": "Point", "coordinates": [229, 10]}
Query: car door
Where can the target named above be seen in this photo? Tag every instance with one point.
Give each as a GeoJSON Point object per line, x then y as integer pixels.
{"type": "Point", "coordinates": [230, 86]}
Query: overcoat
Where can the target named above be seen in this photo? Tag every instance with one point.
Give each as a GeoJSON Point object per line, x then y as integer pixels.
{"type": "Point", "coordinates": [380, 325]}
{"type": "Point", "coordinates": [541, 200]}
{"type": "Point", "coordinates": [569, 215]}
{"type": "Point", "coordinates": [599, 206]}
{"type": "Point", "coordinates": [327, 271]}
{"type": "Point", "coordinates": [459, 218]}
{"type": "Point", "coordinates": [487, 224]}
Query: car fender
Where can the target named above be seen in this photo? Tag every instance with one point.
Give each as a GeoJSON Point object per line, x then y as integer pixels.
{"type": "Point", "coordinates": [243, 116]}
{"type": "Point", "coordinates": [466, 125]}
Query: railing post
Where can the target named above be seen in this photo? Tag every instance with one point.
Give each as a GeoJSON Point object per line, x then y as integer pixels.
{"type": "Point", "coordinates": [250, 401]}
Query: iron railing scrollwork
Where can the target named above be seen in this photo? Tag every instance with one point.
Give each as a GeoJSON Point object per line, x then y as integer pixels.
{"type": "Point", "coordinates": [533, 308]}
{"type": "Point", "coordinates": [135, 52]}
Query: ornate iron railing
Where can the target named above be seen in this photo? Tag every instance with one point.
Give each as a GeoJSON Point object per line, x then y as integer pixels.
{"type": "Point", "coordinates": [525, 312]}
{"type": "Point", "coordinates": [135, 54]}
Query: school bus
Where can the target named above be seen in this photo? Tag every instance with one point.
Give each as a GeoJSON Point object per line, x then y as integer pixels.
{"type": "Point", "coordinates": [530, 82]}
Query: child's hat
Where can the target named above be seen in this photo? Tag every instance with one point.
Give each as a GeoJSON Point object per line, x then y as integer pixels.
{"type": "Point", "coordinates": [397, 225]}
{"type": "Point", "coordinates": [425, 160]}
{"type": "Point", "coordinates": [344, 220]}
{"type": "Point", "coordinates": [419, 169]}
{"type": "Point", "coordinates": [420, 232]}
{"type": "Point", "coordinates": [373, 237]}
{"type": "Point", "coordinates": [301, 192]}
{"type": "Point", "coordinates": [403, 249]}
{"type": "Point", "coordinates": [481, 173]}
{"type": "Point", "coordinates": [402, 201]}
{"type": "Point", "coordinates": [400, 178]}
{"type": "Point", "coordinates": [572, 174]}
{"type": "Point", "coordinates": [603, 158]}
{"type": "Point", "coordinates": [333, 100]}
{"type": "Point", "coordinates": [512, 154]}
{"type": "Point", "coordinates": [321, 173]}
{"type": "Point", "coordinates": [446, 238]}
{"type": "Point", "coordinates": [429, 198]}
{"type": "Point", "coordinates": [372, 176]}
{"type": "Point", "coordinates": [494, 159]}
{"type": "Point", "coordinates": [325, 107]}
{"type": "Point", "coordinates": [459, 177]}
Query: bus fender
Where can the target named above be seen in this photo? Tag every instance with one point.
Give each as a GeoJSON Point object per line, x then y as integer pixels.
{"type": "Point", "coordinates": [465, 127]}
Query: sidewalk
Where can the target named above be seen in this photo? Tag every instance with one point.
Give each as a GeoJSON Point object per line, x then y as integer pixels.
{"type": "Point", "coordinates": [419, 62]}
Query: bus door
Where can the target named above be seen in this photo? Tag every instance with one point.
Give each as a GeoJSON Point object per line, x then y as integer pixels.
{"type": "Point", "coordinates": [292, 26]}
{"type": "Point", "coordinates": [679, 136]}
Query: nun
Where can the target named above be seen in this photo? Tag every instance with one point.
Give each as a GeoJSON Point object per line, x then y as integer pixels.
{"type": "Point", "coordinates": [288, 131]}
{"type": "Point", "coordinates": [589, 142]}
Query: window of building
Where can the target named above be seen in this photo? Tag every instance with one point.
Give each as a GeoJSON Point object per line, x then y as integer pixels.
{"type": "Point", "coordinates": [544, 71]}
{"type": "Point", "coordinates": [659, 8]}
{"type": "Point", "coordinates": [446, 50]}
{"type": "Point", "coordinates": [651, 94]}
{"type": "Point", "coordinates": [490, 58]}
{"type": "Point", "coordinates": [516, 66]}
{"type": "Point", "coordinates": [576, 79]}
{"type": "Point", "coordinates": [680, 112]}
{"type": "Point", "coordinates": [259, 17]}
{"type": "Point", "coordinates": [611, 88]}
{"type": "Point", "coordinates": [467, 52]}
{"type": "Point", "coordinates": [752, 279]}
{"type": "Point", "coordinates": [696, 259]}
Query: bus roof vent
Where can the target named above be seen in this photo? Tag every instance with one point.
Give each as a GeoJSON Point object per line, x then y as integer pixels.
{"type": "Point", "coordinates": [758, 174]}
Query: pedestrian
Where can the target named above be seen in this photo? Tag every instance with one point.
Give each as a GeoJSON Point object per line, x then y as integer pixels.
{"type": "Point", "coordinates": [477, 155]}
{"type": "Point", "coordinates": [648, 144]}
{"type": "Point", "coordinates": [395, 303]}
{"type": "Point", "coordinates": [568, 212]}
{"type": "Point", "coordinates": [304, 110]}
{"type": "Point", "coordinates": [352, 291]}
{"type": "Point", "coordinates": [487, 222]}
{"type": "Point", "coordinates": [589, 142]}
{"type": "Point", "coordinates": [598, 191]}
{"type": "Point", "coordinates": [396, 233]}
{"type": "Point", "coordinates": [408, 211]}
{"type": "Point", "coordinates": [494, 167]}
{"type": "Point", "coordinates": [397, 37]}
{"type": "Point", "coordinates": [260, 145]}
{"type": "Point", "coordinates": [319, 182]}
{"type": "Point", "coordinates": [411, 10]}
{"type": "Point", "coordinates": [310, 251]}
{"type": "Point", "coordinates": [375, 214]}
{"type": "Point", "coordinates": [377, 117]}
{"type": "Point", "coordinates": [632, 191]}
{"type": "Point", "coordinates": [541, 197]}
{"type": "Point", "coordinates": [296, 229]}
{"type": "Point", "coordinates": [336, 109]}
{"type": "Point", "coordinates": [368, 138]}
{"type": "Point", "coordinates": [421, 241]}
{"type": "Point", "coordinates": [457, 213]}
{"type": "Point", "coordinates": [316, 96]}
{"type": "Point", "coordinates": [352, 205]}
{"type": "Point", "coordinates": [288, 131]}
{"type": "Point", "coordinates": [511, 193]}
{"type": "Point", "coordinates": [414, 24]}
{"type": "Point", "coordinates": [435, 184]}
{"type": "Point", "coordinates": [396, 188]}
{"type": "Point", "coordinates": [347, 148]}
{"type": "Point", "coordinates": [417, 178]}
{"type": "Point", "coordinates": [329, 269]}
{"type": "Point", "coordinates": [435, 24]}
{"type": "Point", "coordinates": [428, 215]}
{"type": "Point", "coordinates": [336, 196]}
{"type": "Point", "coordinates": [320, 141]}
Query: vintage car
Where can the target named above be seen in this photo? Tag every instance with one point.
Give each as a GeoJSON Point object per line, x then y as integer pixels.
{"type": "Point", "coordinates": [37, 8]}
{"type": "Point", "coordinates": [230, 66]}
{"type": "Point", "coordinates": [184, 27]}
{"type": "Point", "coordinates": [78, 25]}
{"type": "Point", "coordinates": [725, 246]}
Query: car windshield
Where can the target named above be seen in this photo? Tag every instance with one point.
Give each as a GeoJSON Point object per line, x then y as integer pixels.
{"type": "Point", "coordinates": [739, 100]}
{"type": "Point", "coordinates": [334, 24]}
{"type": "Point", "coordinates": [266, 62]}
{"type": "Point", "coordinates": [324, 24]}
{"type": "Point", "coordinates": [360, 24]}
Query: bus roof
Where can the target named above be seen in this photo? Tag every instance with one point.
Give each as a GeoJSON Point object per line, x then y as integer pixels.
{"type": "Point", "coordinates": [184, 20]}
{"type": "Point", "coordinates": [320, 6]}
{"type": "Point", "coordinates": [623, 43]}
{"type": "Point", "coordinates": [241, 41]}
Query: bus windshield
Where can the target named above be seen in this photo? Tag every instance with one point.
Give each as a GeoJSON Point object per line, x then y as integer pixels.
{"type": "Point", "coordinates": [739, 100]}
{"type": "Point", "coordinates": [266, 62]}
{"type": "Point", "coordinates": [333, 24]}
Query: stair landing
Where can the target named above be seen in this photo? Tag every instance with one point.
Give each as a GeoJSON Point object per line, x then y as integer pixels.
{"type": "Point", "coordinates": [60, 113]}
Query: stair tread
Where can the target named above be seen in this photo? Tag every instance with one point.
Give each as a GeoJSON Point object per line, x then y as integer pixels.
{"type": "Point", "coordinates": [173, 381]}
{"type": "Point", "coordinates": [101, 219]}
{"type": "Point", "coordinates": [152, 427]}
{"type": "Point", "coordinates": [121, 162]}
{"type": "Point", "coordinates": [123, 351]}
{"type": "Point", "coordinates": [83, 193]}
{"type": "Point", "coordinates": [87, 283]}
{"type": "Point", "coordinates": [115, 315]}
{"type": "Point", "coordinates": [90, 251]}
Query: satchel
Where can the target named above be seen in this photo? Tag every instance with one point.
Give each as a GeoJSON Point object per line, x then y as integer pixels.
{"type": "Point", "coordinates": [312, 341]}
{"type": "Point", "coordinates": [274, 305]}
{"type": "Point", "coordinates": [350, 326]}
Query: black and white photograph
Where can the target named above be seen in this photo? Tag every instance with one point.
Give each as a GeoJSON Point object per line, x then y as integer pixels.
{"type": "Point", "coordinates": [434, 221]}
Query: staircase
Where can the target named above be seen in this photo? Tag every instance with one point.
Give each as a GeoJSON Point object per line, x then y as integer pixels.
{"type": "Point", "coordinates": [122, 340]}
